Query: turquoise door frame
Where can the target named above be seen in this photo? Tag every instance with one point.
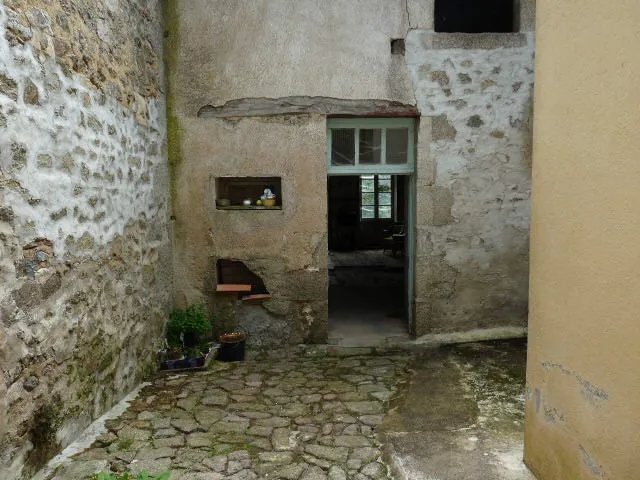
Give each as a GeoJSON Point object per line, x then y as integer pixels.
{"type": "Point", "coordinates": [410, 248]}
{"type": "Point", "coordinates": [406, 170]}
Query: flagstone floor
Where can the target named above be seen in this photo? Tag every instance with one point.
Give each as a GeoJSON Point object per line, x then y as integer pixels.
{"type": "Point", "coordinates": [293, 417]}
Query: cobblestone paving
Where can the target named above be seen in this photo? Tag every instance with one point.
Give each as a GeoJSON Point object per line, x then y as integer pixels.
{"type": "Point", "coordinates": [287, 418]}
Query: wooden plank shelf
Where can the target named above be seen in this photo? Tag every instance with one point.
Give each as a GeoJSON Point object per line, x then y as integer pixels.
{"type": "Point", "coordinates": [233, 288]}
{"type": "Point", "coordinates": [250, 207]}
{"type": "Point", "coordinates": [255, 299]}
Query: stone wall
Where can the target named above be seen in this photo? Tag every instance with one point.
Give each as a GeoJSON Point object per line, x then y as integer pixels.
{"type": "Point", "coordinates": [85, 263]}
{"type": "Point", "coordinates": [473, 183]}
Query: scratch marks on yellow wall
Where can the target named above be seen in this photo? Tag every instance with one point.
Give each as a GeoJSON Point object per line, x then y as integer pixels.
{"type": "Point", "coordinates": [595, 395]}
{"type": "Point", "coordinates": [594, 467]}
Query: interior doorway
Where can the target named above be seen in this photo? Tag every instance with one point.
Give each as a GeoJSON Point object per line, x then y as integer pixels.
{"type": "Point", "coordinates": [369, 258]}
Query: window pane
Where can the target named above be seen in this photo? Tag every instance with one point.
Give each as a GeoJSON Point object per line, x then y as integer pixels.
{"type": "Point", "coordinates": [397, 144]}
{"type": "Point", "coordinates": [367, 212]}
{"type": "Point", "coordinates": [343, 146]}
{"type": "Point", "coordinates": [367, 183]}
{"type": "Point", "coordinates": [370, 144]}
{"type": "Point", "coordinates": [384, 211]}
{"type": "Point", "coordinates": [384, 183]}
{"type": "Point", "coordinates": [384, 198]}
{"type": "Point", "coordinates": [368, 198]}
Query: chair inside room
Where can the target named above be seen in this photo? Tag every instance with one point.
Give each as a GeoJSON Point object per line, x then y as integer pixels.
{"type": "Point", "coordinates": [393, 240]}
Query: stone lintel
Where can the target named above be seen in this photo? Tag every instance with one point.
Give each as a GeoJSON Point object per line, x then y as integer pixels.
{"type": "Point", "coordinates": [473, 41]}
{"type": "Point", "coordinates": [335, 107]}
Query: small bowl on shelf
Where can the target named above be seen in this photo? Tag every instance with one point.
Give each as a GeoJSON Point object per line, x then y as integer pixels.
{"type": "Point", "coordinates": [269, 202]}
{"type": "Point", "coordinates": [223, 202]}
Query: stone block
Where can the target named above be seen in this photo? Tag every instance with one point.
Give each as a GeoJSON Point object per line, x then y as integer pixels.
{"type": "Point", "coordinates": [442, 129]}
{"type": "Point", "coordinates": [441, 77]}
{"type": "Point", "coordinates": [6, 214]}
{"type": "Point", "coordinates": [50, 285]}
{"type": "Point", "coordinates": [8, 87]}
{"type": "Point", "coordinates": [434, 278]}
{"type": "Point", "coordinates": [28, 295]}
{"type": "Point", "coordinates": [434, 205]}
{"type": "Point", "coordinates": [475, 121]}
{"type": "Point", "coordinates": [31, 95]}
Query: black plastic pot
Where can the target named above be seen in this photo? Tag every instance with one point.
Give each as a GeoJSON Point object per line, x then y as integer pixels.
{"type": "Point", "coordinates": [232, 347]}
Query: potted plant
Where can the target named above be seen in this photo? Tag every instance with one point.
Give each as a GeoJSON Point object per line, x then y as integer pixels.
{"type": "Point", "coordinates": [232, 347]}
{"type": "Point", "coordinates": [188, 331]}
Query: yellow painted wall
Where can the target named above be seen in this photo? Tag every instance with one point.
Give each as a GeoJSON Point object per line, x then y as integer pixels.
{"type": "Point", "coordinates": [583, 396]}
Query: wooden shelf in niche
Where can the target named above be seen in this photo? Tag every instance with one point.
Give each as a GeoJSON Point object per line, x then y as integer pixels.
{"type": "Point", "coordinates": [232, 191]}
{"type": "Point", "coordinates": [248, 207]}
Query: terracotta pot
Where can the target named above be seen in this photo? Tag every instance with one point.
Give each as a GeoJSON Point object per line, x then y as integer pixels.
{"type": "Point", "coordinates": [232, 337]}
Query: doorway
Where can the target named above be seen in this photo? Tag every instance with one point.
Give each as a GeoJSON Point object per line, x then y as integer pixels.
{"type": "Point", "coordinates": [371, 203]}
{"type": "Point", "coordinates": [368, 219]}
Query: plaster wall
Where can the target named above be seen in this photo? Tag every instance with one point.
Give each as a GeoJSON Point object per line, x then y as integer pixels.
{"type": "Point", "coordinates": [227, 54]}
{"type": "Point", "coordinates": [269, 59]}
{"type": "Point", "coordinates": [287, 248]}
{"type": "Point", "coordinates": [583, 387]}
{"type": "Point", "coordinates": [85, 264]}
{"type": "Point", "coordinates": [279, 48]}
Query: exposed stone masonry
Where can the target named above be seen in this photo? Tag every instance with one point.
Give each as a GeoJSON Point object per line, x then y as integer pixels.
{"type": "Point", "coordinates": [100, 41]}
{"type": "Point", "coordinates": [84, 244]}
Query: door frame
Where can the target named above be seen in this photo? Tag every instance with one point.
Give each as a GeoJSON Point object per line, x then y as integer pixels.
{"type": "Point", "coordinates": [406, 170]}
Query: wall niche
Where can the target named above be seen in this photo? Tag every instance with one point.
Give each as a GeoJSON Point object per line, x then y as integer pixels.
{"type": "Point", "coordinates": [245, 193]}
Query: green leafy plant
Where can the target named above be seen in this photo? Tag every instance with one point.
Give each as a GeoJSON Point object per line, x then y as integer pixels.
{"type": "Point", "coordinates": [191, 323]}
{"type": "Point", "coordinates": [125, 444]}
{"type": "Point", "coordinates": [128, 476]}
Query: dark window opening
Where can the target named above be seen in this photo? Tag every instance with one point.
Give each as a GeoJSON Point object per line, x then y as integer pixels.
{"type": "Point", "coordinates": [475, 16]}
{"type": "Point", "coordinates": [236, 272]}
{"type": "Point", "coordinates": [397, 46]}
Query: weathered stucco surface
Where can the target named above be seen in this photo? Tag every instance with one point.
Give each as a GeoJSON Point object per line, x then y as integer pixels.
{"type": "Point", "coordinates": [241, 51]}
{"type": "Point", "coordinates": [583, 382]}
{"type": "Point", "coordinates": [272, 59]}
{"type": "Point", "coordinates": [286, 248]}
{"type": "Point", "coordinates": [277, 48]}
{"type": "Point", "coordinates": [473, 178]}
{"type": "Point", "coordinates": [84, 244]}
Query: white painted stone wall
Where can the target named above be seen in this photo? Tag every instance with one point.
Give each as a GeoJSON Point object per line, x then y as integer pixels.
{"type": "Point", "coordinates": [473, 180]}
{"type": "Point", "coordinates": [80, 146]}
{"type": "Point", "coordinates": [87, 171]}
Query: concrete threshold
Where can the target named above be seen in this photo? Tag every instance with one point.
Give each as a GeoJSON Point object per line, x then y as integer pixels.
{"type": "Point", "coordinates": [367, 345]}
{"type": "Point", "coordinates": [477, 335]}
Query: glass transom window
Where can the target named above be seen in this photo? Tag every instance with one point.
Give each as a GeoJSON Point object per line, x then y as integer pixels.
{"type": "Point", "coordinates": [374, 145]}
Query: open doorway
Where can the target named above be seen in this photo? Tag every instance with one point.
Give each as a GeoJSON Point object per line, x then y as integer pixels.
{"type": "Point", "coordinates": [368, 258]}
